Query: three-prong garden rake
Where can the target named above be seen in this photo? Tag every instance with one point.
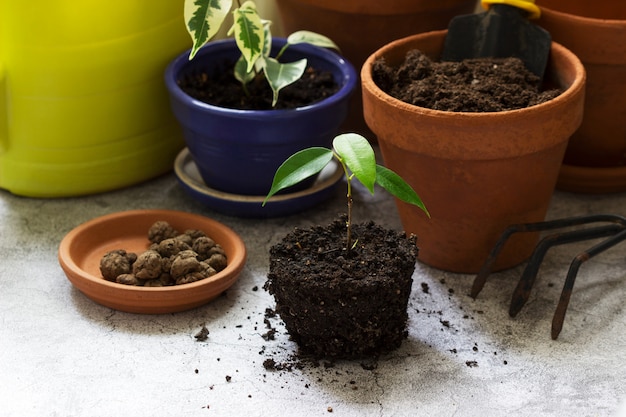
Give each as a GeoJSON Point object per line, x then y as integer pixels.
{"type": "Point", "coordinates": [613, 230]}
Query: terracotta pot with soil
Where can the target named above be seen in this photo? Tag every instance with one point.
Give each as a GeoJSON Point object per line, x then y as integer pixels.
{"type": "Point", "coordinates": [360, 27]}
{"type": "Point", "coordinates": [595, 160]}
{"type": "Point", "coordinates": [477, 172]}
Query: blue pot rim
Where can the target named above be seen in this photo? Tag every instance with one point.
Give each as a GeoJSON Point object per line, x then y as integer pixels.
{"type": "Point", "coordinates": [349, 77]}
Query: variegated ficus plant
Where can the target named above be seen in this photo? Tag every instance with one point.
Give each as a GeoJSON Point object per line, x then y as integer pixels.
{"type": "Point", "coordinates": [252, 34]}
{"type": "Point", "coordinates": [357, 158]}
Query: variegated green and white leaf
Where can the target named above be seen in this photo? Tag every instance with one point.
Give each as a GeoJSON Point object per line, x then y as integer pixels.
{"type": "Point", "coordinates": [305, 36]}
{"type": "Point", "coordinates": [267, 39]}
{"type": "Point", "coordinates": [203, 19]}
{"type": "Point", "coordinates": [249, 33]}
{"type": "Point", "coordinates": [281, 75]}
{"type": "Point", "coordinates": [259, 65]}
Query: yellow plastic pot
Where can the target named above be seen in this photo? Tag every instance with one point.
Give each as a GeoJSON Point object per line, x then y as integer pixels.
{"type": "Point", "coordinates": [83, 105]}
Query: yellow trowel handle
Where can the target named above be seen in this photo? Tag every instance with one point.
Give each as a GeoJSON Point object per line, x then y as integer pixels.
{"type": "Point", "coordinates": [529, 5]}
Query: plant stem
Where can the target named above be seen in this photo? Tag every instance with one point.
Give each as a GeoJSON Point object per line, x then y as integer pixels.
{"type": "Point", "coordinates": [282, 50]}
{"type": "Point", "coordinates": [349, 221]}
{"type": "Point", "coordinates": [244, 87]}
{"type": "Point", "coordinates": [349, 196]}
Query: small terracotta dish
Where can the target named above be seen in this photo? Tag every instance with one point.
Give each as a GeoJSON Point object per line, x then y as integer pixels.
{"type": "Point", "coordinates": [249, 206]}
{"type": "Point", "coordinates": [82, 248]}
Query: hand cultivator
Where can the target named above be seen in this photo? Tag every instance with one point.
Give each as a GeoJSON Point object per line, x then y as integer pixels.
{"type": "Point", "coordinates": [613, 229]}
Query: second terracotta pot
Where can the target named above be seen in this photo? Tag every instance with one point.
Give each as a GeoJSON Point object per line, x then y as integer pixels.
{"type": "Point", "coordinates": [476, 172]}
{"type": "Point", "coordinates": [595, 160]}
{"type": "Point", "coordinates": [360, 27]}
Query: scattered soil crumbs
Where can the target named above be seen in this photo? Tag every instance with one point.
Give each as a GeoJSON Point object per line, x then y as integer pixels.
{"type": "Point", "coordinates": [222, 89]}
{"type": "Point", "coordinates": [202, 335]}
{"type": "Point", "coordinates": [461, 352]}
{"type": "Point", "coordinates": [475, 85]}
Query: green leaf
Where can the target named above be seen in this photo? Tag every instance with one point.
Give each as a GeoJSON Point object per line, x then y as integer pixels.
{"type": "Point", "coordinates": [357, 154]}
{"type": "Point", "coordinates": [281, 75]}
{"type": "Point", "coordinates": [249, 33]}
{"type": "Point", "coordinates": [240, 71]}
{"type": "Point", "coordinates": [305, 36]}
{"type": "Point", "coordinates": [397, 187]}
{"type": "Point", "coordinates": [203, 19]}
{"type": "Point", "coordinates": [299, 167]}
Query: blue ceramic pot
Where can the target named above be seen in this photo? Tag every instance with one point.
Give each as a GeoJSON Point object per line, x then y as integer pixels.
{"type": "Point", "coordinates": [238, 151]}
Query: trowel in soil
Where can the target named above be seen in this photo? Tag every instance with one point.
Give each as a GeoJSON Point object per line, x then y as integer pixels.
{"type": "Point", "coordinates": [502, 31]}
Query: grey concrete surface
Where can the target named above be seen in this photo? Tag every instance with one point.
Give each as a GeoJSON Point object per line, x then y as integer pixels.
{"type": "Point", "coordinates": [63, 355]}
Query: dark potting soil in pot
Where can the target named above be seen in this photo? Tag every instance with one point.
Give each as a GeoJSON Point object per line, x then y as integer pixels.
{"type": "Point", "coordinates": [337, 303]}
{"type": "Point", "coordinates": [224, 90]}
{"type": "Point", "coordinates": [473, 85]}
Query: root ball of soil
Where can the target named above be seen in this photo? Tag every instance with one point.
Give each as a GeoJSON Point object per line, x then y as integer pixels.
{"type": "Point", "coordinates": [338, 303]}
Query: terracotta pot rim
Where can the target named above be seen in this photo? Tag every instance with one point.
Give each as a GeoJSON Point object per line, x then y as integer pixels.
{"type": "Point", "coordinates": [585, 20]}
{"type": "Point", "coordinates": [593, 40]}
{"type": "Point", "coordinates": [482, 117]}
